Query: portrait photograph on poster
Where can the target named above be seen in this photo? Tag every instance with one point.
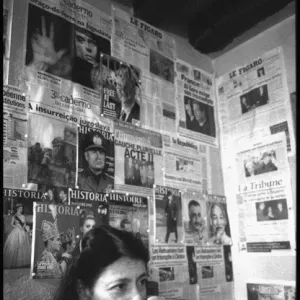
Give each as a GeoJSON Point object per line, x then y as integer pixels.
{"type": "Point", "coordinates": [256, 97]}
{"type": "Point", "coordinates": [207, 272]}
{"type": "Point", "coordinates": [219, 230]}
{"type": "Point", "coordinates": [121, 90]}
{"type": "Point", "coordinates": [199, 117]}
{"type": "Point", "coordinates": [63, 49]}
{"type": "Point", "coordinates": [272, 210]}
{"type": "Point", "coordinates": [95, 161]}
{"type": "Point", "coordinates": [52, 151]}
{"type": "Point", "coordinates": [260, 163]}
{"type": "Point", "coordinates": [195, 227]}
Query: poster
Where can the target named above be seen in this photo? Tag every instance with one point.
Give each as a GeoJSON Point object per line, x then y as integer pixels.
{"type": "Point", "coordinates": [194, 217]}
{"type": "Point", "coordinates": [64, 42]}
{"type": "Point", "coordinates": [97, 203]}
{"type": "Point", "coordinates": [129, 213]}
{"type": "Point", "coordinates": [15, 129]}
{"type": "Point", "coordinates": [138, 159]}
{"type": "Point", "coordinates": [254, 101]}
{"type": "Point", "coordinates": [264, 195]}
{"type": "Point", "coordinates": [121, 94]}
{"type": "Point", "coordinates": [168, 215]}
{"type": "Point", "coordinates": [95, 163]}
{"type": "Point", "coordinates": [196, 103]}
{"type": "Point", "coordinates": [271, 291]}
{"type": "Point", "coordinates": [55, 230]}
{"type": "Point", "coordinates": [17, 226]}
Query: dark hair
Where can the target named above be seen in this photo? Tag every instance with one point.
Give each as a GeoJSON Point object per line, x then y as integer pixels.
{"type": "Point", "coordinates": [101, 247]}
{"type": "Point", "coordinates": [193, 203]}
{"type": "Point", "coordinates": [64, 245]}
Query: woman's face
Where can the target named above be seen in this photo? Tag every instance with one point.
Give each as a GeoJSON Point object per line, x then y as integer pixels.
{"type": "Point", "coordinates": [218, 220]}
{"type": "Point", "coordinates": [87, 225]}
{"type": "Point", "coordinates": [125, 279]}
{"type": "Point", "coordinates": [20, 209]}
{"type": "Point", "coordinates": [50, 194]}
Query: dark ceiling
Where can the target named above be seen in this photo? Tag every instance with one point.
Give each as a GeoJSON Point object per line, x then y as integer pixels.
{"type": "Point", "coordinates": [209, 25]}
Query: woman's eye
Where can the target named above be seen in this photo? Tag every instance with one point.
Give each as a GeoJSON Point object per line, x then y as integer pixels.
{"type": "Point", "coordinates": [120, 286]}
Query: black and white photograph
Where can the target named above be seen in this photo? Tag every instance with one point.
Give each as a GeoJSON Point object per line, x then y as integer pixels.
{"type": "Point", "coordinates": [138, 172]}
{"type": "Point", "coordinates": [192, 266]}
{"type": "Point", "coordinates": [273, 210]}
{"type": "Point", "coordinates": [207, 272]}
{"type": "Point", "coordinates": [197, 75]}
{"type": "Point", "coordinates": [261, 72]}
{"type": "Point", "coordinates": [51, 151]}
{"type": "Point", "coordinates": [219, 229]}
{"type": "Point", "coordinates": [184, 165]}
{"type": "Point", "coordinates": [161, 66]}
{"type": "Point", "coordinates": [264, 162]}
{"type": "Point", "coordinates": [199, 117]}
{"type": "Point", "coordinates": [228, 263]}
{"type": "Point", "coordinates": [166, 274]}
{"type": "Point", "coordinates": [256, 97]}
{"type": "Point", "coordinates": [95, 161]}
{"type": "Point", "coordinates": [61, 48]}
{"type": "Point", "coordinates": [121, 91]}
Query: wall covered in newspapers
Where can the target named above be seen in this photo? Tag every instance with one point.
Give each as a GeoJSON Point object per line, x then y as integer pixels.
{"type": "Point", "coordinates": [108, 124]}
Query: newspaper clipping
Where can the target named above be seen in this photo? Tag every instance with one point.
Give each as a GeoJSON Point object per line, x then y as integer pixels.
{"type": "Point", "coordinates": [92, 202]}
{"type": "Point", "coordinates": [254, 100]}
{"type": "Point", "coordinates": [129, 213]}
{"type": "Point", "coordinates": [207, 265]}
{"type": "Point", "coordinates": [168, 215]}
{"type": "Point", "coordinates": [64, 42]}
{"type": "Point", "coordinates": [55, 230]}
{"type": "Point", "coordinates": [218, 221]}
{"type": "Point", "coordinates": [271, 291]}
{"type": "Point", "coordinates": [194, 217]}
{"type": "Point", "coordinates": [18, 223]}
{"type": "Point", "coordinates": [95, 171]}
{"type": "Point", "coordinates": [138, 159]}
{"type": "Point", "coordinates": [15, 122]}
{"type": "Point", "coordinates": [186, 163]}
{"type": "Point", "coordinates": [196, 103]}
{"type": "Point", "coordinates": [264, 195]}
{"type": "Point", "coordinates": [121, 94]}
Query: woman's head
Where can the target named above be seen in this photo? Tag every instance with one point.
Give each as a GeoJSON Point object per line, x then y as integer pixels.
{"type": "Point", "coordinates": [87, 221]}
{"type": "Point", "coordinates": [111, 266]}
{"type": "Point", "coordinates": [19, 208]}
{"type": "Point", "coordinates": [218, 219]}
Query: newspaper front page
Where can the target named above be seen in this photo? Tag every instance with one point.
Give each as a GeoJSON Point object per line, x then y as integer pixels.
{"type": "Point", "coordinates": [138, 159]}
{"type": "Point", "coordinates": [186, 163]}
{"type": "Point", "coordinates": [207, 266]}
{"type": "Point", "coordinates": [169, 271]}
{"type": "Point", "coordinates": [15, 129]}
{"type": "Point", "coordinates": [254, 100]}
{"type": "Point", "coordinates": [153, 51]}
{"type": "Point", "coordinates": [64, 42]}
{"type": "Point", "coordinates": [195, 103]}
{"type": "Point", "coordinates": [264, 195]}
{"type": "Point", "coordinates": [168, 215]}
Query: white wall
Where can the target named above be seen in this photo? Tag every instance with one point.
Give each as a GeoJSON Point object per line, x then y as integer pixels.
{"type": "Point", "coordinates": [248, 266]}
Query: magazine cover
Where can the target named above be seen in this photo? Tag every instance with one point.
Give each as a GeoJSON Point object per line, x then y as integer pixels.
{"type": "Point", "coordinates": [17, 226]}
{"type": "Point", "coordinates": [168, 215]}
{"type": "Point", "coordinates": [130, 213]}
{"type": "Point", "coordinates": [56, 232]}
